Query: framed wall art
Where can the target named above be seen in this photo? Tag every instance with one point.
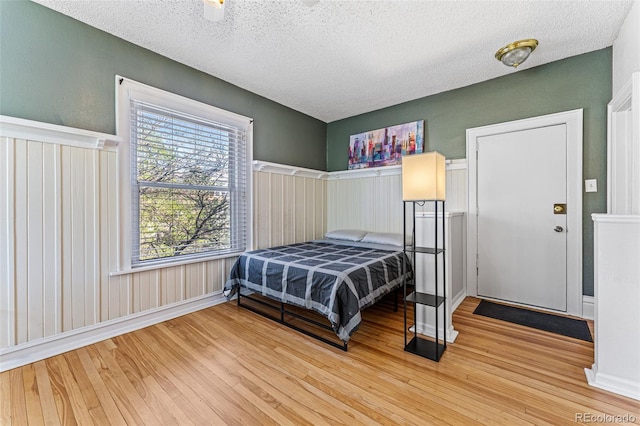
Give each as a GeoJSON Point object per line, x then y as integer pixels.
{"type": "Point", "coordinates": [386, 146]}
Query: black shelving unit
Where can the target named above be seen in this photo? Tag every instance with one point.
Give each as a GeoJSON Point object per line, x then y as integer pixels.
{"type": "Point", "coordinates": [431, 349]}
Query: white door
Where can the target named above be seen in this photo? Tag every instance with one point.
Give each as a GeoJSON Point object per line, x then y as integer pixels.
{"type": "Point", "coordinates": [521, 242]}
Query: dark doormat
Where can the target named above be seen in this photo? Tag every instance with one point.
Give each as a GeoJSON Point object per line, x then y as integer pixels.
{"type": "Point", "coordinates": [578, 329]}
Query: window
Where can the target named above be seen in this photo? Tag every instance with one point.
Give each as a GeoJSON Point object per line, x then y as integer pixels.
{"type": "Point", "coordinates": [188, 176]}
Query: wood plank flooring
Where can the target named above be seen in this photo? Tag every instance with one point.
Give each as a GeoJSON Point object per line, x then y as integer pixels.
{"type": "Point", "coordinates": [226, 365]}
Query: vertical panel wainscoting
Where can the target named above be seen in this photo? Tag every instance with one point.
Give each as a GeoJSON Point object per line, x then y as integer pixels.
{"type": "Point", "coordinates": [371, 199]}
{"type": "Point", "coordinates": [59, 248]}
{"type": "Point", "coordinates": [55, 259]}
{"type": "Point", "coordinates": [51, 259]}
{"type": "Point", "coordinates": [289, 204]}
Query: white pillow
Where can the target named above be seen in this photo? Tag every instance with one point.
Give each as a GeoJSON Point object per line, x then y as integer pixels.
{"type": "Point", "coordinates": [385, 238]}
{"type": "Point", "coordinates": [346, 234]}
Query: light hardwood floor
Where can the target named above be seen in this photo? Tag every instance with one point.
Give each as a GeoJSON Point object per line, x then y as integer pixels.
{"type": "Point", "coordinates": [226, 365]}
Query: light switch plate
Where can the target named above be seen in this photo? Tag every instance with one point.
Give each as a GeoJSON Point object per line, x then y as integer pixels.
{"type": "Point", "coordinates": [591, 185]}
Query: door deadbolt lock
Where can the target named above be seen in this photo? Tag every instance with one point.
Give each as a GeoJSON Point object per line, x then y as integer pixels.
{"type": "Point", "coordinates": [558, 229]}
{"type": "Point", "coordinates": [559, 209]}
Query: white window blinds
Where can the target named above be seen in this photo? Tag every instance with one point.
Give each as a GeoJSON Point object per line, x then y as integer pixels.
{"type": "Point", "coordinates": [188, 184]}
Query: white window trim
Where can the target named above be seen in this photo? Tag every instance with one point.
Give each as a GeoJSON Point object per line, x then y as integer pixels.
{"type": "Point", "coordinates": [125, 89]}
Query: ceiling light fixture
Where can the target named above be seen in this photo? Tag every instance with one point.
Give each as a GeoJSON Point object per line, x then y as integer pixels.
{"type": "Point", "coordinates": [513, 54]}
{"type": "Point", "coordinates": [214, 10]}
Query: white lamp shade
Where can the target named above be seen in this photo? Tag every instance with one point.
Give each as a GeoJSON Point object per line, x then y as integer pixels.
{"type": "Point", "coordinates": [423, 177]}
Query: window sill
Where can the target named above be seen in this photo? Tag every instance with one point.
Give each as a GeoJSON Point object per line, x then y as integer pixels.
{"type": "Point", "coordinates": [169, 264]}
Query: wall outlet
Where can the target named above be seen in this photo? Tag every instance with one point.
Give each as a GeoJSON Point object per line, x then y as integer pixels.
{"type": "Point", "coordinates": [591, 185]}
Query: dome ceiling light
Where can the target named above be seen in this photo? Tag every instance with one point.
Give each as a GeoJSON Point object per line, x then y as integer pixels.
{"type": "Point", "coordinates": [513, 54]}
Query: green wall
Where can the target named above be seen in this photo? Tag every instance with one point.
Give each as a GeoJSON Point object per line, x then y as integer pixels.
{"type": "Point", "coordinates": [58, 70]}
{"type": "Point", "coordinates": [582, 81]}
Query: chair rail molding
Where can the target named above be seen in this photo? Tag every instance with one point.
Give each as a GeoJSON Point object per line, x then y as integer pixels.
{"type": "Point", "coordinates": [283, 169]}
{"type": "Point", "coordinates": [455, 164]}
{"type": "Point", "coordinates": [19, 128]}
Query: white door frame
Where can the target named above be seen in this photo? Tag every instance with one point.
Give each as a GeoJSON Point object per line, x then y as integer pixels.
{"type": "Point", "coordinates": [573, 121]}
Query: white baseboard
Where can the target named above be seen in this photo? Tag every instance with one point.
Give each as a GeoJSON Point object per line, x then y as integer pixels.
{"type": "Point", "coordinates": [613, 384]}
{"type": "Point", "coordinates": [26, 353]}
{"type": "Point", "coordinates": [588, 307]}
{"type": "Point", "coordinates": [430, 330]}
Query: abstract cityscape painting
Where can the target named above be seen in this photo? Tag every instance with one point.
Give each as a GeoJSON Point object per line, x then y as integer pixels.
{"type": "Point", "coordinates": [386, 146]}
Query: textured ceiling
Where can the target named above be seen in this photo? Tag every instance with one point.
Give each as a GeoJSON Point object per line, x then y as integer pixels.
{"type": "Point", "coordinates": [340, 58]}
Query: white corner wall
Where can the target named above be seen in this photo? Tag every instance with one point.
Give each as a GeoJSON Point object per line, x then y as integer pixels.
{"type": "Point", "coordinates": [626, 49]}
{"type": "Point", "coordinates": [617, 236]}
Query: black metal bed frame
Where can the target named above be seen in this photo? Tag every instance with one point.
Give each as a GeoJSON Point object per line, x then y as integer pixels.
{"type": "Point", "coordinates": [283, 312]}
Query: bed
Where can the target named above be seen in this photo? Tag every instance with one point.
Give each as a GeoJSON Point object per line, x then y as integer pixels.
{"type": "Point", "coordinates": [335, 278]}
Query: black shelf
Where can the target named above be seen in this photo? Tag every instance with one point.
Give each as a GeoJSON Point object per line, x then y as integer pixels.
{"type": "Point", "coordinates": [427, 250]}
{"type": "Point", "coordinates": [425, 348]}
{"type": "Point", "coordinates": [430, 349]}
{"type": "Point", "coordinates": [425, 299]}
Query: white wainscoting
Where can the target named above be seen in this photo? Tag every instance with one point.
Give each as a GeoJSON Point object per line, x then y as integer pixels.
{"type": "Point", "coordinates": [371, 199]}
{"type": "Point", "coordinates": [292, 201]}
{"type": "Point", "coordinates": [59, 243]}
{"type": "Point", "coordinates": [616, 366]}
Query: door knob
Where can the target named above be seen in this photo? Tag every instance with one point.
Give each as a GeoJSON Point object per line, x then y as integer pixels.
{"type": "Point", "coordinates": [558, 229]}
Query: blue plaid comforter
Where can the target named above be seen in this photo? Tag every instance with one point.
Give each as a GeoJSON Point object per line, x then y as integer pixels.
{"type": "Point", "coordinates": [334, 280]}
